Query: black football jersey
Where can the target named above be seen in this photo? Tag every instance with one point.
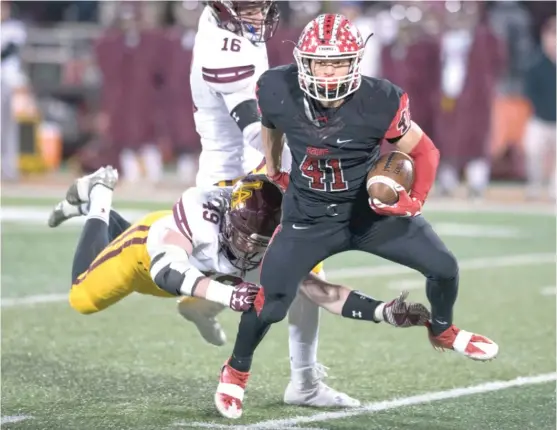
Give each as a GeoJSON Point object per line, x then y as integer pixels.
{"type": "Point", "coordinates": [332, 149]}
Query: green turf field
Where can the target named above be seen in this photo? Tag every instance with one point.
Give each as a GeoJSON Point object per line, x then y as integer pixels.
{"type": "Point", "coordinates": [138, 365]}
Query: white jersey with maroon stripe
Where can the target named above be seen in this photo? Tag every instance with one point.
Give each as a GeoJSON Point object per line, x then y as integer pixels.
{"type": "Point", "coordinates": [198, 216]}
{"type": "Point", "coordinates": [225, 69]}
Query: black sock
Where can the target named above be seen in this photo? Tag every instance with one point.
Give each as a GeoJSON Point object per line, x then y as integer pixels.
{"type": "Point", "coordinates": [117, 225]}
{"type": "Point", "coordinates": [93, 239]}
{"type": "Point", "coordinates": [358, 306]}
{"type": "Point", "coordinates": [442, 297]}
{"type": "Point", "coordinates": [250, 333]}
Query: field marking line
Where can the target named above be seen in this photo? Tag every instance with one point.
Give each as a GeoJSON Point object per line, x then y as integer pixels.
{"type": "Point", "coordinates": [33, 300]}
{"type": "Point", "coordinates": [433, 204]}
{"type": "Point", "coordinates": [402, 402]}
{"type": "Point", "coordinates": [10, 419]}
{"type": "Point", "coordinates": [548, 291]}
{"type": "Point", "coordinates": [348, 273]}
{"type": "Point", "coordinates": [469, 264]}
{"type": "Point", "coordinates": [197, 425]}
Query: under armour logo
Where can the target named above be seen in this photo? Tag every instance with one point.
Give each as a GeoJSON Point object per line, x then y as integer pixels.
{"type": "Point", "coordinates": [356, 314]}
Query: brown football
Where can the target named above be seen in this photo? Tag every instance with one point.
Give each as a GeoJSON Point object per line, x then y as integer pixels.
{"type": "Point", "coordinates": [391, 169]}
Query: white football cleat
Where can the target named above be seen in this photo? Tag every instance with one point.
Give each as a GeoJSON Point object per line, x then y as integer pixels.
{"type": "Point", "coordinates": [307, 388]}
{"type": "Point", "coordinates": [79, 191]}
{"type": "Point", "coordinates": [63, 211]}
{"type": "Point", "coordinates": [471, 345]}
{"type": "Point", "coordinates": [230, 392]}
{"type": "Point", "coordinates": [203, 314]}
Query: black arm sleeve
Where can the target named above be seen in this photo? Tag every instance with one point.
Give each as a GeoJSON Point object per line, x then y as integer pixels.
{"type": "Point", "coordinates": [265, 121]}
{"type": "Point", "coordinates": [9, 50]}
{"type": "Point", "coordinates": [245, 113]}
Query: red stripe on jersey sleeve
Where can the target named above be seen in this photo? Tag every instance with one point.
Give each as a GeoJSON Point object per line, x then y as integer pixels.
{"type": "Point", "coordinates": [227, 75]}
{"type": "Point", "coordinates": [181, 220]}
{"type": "Point", "coordinates": [401, 121]}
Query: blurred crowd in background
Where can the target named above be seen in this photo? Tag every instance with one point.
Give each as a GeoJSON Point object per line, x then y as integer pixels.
{"type": "Point", "coordinates": [86, 83]}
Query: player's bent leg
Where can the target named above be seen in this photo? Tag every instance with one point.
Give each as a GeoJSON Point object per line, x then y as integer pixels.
{"type": "Point", "coordinates": [287, 261]}
{"type": "Point", "coordinates": [413, 243]}
{"type": "Point", "coordinates": [306, 386]}
{"type": "Point", "coordinates": [203, 314]}
{"type": "Point", "coordinates": [117, 225]}
{"type": "Point", "coordinates": [107, 280]}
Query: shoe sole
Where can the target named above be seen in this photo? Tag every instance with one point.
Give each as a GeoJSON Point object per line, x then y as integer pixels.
{"type": "Point", "coordinates": [72, 195]}
{"type": "Point", "coordinates": [203, 329]}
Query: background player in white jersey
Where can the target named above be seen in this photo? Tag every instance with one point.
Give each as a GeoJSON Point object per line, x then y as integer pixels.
{"type": "Point", "coordinates": [209, 246]}
{"type": "Point", "coordinates": [229, 55]}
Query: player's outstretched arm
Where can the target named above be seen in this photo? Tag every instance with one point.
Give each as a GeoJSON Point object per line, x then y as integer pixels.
{"type": "Point", "coordinates": [172, 271]}
{"type": "Point", "coordinates": [343, 301]}
{"type": "Point", "coordinates": [410, 139]}
{"type": "Point", "coordinates": [273, 143]}
{"type": "Point", "coordinates": [426, 159]}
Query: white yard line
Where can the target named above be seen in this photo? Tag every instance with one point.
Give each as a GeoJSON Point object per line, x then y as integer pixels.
{"type": "Point", "coordinates": [419, 399]}
{"type": "Point", "coordinates": [33, 300]}
{"type": "Point", "coordinates": [9, 419]}
{"type": "Point", "coordinates": [548, 291]}
{"type": "Point", "coordinates": [470, 264]}
{"type": "Point", "coordinates": [202, 425]}
{"type": "Point", "coordinates": [348, 273]}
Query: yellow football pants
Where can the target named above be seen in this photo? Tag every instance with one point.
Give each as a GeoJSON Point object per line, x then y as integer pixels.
{"type": "Point", "coordinates": [119, 270]}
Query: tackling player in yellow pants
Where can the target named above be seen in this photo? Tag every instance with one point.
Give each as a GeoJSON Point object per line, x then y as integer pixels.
{"type": "Point", "coordinates": [120, 269]}
{"type": "Point", "coordinates": [114, 258]}
{"type": "Point", "coordinates": [196, 310]}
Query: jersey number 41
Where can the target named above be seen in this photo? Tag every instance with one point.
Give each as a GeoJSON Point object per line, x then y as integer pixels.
{"type": "Point", "coordinates": [324, 175]}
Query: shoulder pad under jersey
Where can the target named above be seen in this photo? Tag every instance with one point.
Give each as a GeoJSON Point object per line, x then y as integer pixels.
{"type": "Point", "coordinates": [198, 215]}
{"type": "Point", "coordinates": [272, 86]}
{"type": "Point", "coordinates": [395, 103]}
{"type": "Point", "coordinates": [227, 61]}
{"type": "Point", "coordinates": [384, 89]}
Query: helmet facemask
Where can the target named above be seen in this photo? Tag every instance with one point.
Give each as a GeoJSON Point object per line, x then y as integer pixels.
{"type": "Point", "coordinates": [246, 249]}
{"type": "Point", "coordinates": [257, 21]}
{"type": "Point", "coordinates": [328, 89]}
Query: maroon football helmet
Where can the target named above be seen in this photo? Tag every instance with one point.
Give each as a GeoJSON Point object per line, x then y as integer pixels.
{"type": "Point", "coordinates": [249, 224]}
{"type": "Point", "coordinates": [254, 20]}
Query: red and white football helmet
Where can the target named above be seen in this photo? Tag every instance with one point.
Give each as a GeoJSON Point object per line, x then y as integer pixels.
{"type": "Point", "coordinates": [329, 37]}
{"type": "Point", "coordinates": [232, 16]}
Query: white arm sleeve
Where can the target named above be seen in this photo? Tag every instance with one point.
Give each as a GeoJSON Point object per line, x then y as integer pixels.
{"type": "Point", "coordinates": [170, 266]}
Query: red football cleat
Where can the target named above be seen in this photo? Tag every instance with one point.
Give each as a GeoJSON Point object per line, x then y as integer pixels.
{"type": "Point", "coordinates": [230, 392]}
{"type": "Point", "coordinates": [471, 345]}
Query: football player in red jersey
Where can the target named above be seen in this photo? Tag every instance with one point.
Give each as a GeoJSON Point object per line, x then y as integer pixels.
{"type": "Point", "coordinates": [334, 120]}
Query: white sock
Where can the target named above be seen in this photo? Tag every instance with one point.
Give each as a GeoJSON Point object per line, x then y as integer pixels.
{"type": "Point", "coordinates": [152, 161]}
{"type": "Point", "coordinates": [69, 210]}
{"type": "Point", "coordinates": [84, 208]}
{"type": "Point", "coordinates": [303, 331]}
{"type": "Point", "coordinates": [100, 203]}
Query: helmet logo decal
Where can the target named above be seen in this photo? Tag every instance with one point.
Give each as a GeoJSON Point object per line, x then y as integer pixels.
{"type": "Point", "coordinates": [244, 192]}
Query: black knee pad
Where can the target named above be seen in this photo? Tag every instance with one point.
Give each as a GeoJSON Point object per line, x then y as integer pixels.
{"type": "Point", "coordinates": [446, 267]}
{"type": "Point", "coordinates": [274, 311]}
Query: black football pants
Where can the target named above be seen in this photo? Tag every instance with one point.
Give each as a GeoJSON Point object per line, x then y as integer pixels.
{"type": "Point", "coordinates": [297, 248]}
